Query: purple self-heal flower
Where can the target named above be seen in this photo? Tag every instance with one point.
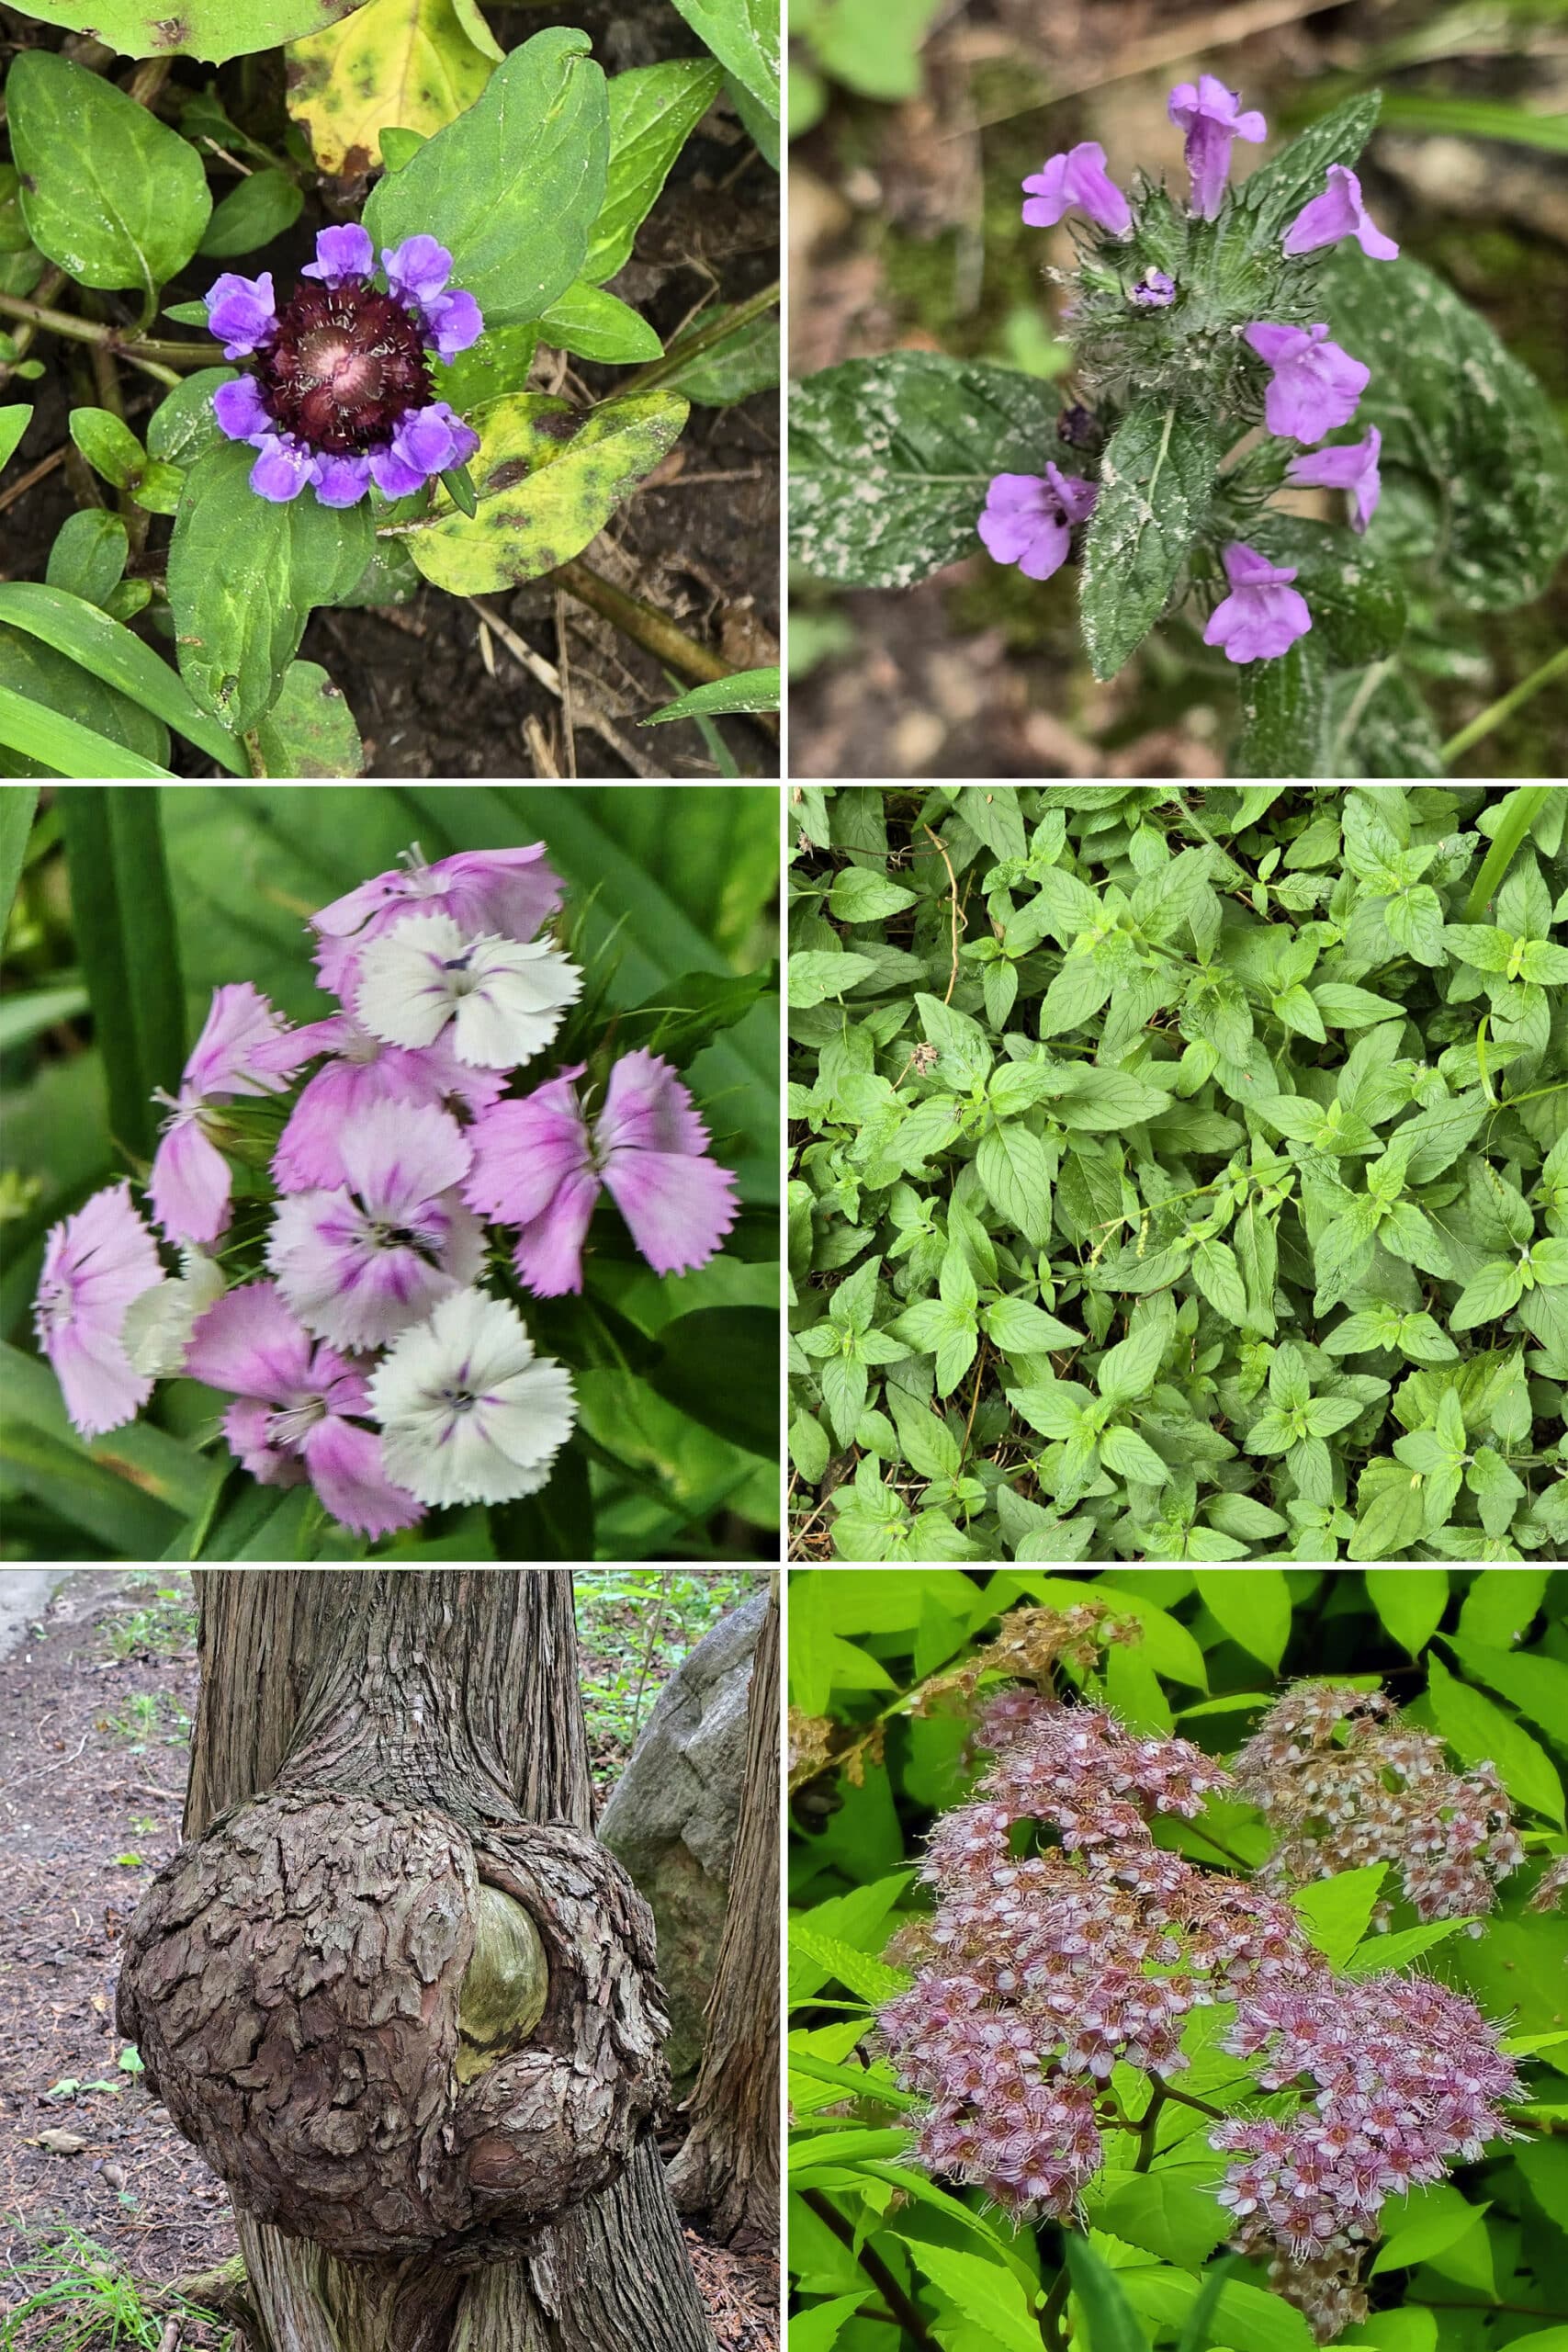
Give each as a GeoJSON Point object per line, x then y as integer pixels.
{"type": "Point", "coordinates": [1263, 615]}
{"type": "Point", "coordinates": [1078, 177]}
{"type": "Point", "coordinates": [1207, 112]}
{"type": "Point", "coordinates": [358, 1262]}
{"type": "Point", "coordinates": [1028, 518]}
{"type": "Point", "coordinates": [191, 1180]}
{"type": "Point", "coordinates": [95, 1263]}
{"type": "Point", "coordinates": [540, 1165]}
{"type": "Point", "coordinates": [362, 1073]}
{"type": "Point", "coordinates": [1338, 213]}
{"type": "Point", "coordinates": [298, 1409]}
{"type": "Point", "coordinates": [1154, 291]}
{"type": "Point", "coordinates": [242, 312]}
{"type": "Point", "coordinates": [1350, 464]}
{"type": "Point", "coordinates": [1316, 384]}
{"type": "Point", "coordinates": [342, 395]}
{"type": "Point", "coordinates": [508, 891]}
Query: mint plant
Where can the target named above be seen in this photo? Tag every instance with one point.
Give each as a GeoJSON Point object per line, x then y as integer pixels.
{"type": "Point", "coordinates": [348, 416]}
{"type": "Point", "coordinates": [1170, 1180]}
{"type": "Point", "coordinates": [1229, 344]}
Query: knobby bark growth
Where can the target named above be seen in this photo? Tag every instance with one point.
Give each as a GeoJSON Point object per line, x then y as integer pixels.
{"type": "Point", "coordinates": [393, 1989]}
{"type": "Point", "coordinates": [728, 2168]}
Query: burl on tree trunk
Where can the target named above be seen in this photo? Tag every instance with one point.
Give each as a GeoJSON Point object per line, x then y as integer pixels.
{"type": "Point", "coordinates": [392, 1988]}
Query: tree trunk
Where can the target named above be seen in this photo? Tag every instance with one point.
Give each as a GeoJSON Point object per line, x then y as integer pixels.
{"type": "Point", "coordinates": [729, 2168]}
{"type": "Point", "coordinates": [440, 1710]}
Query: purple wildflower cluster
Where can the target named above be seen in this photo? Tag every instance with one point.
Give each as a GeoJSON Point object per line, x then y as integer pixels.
{"type": "Point", "coordinates": [342, 396]}
{"type": "Point", "coordinates": [1312, 385]}
{"type": "Point", "coordinates": [344, 1305]}
{"type": "Point", "coordinates": [1066, 1941]}
{"type": "Point", "coordinates": [1345, 1783]}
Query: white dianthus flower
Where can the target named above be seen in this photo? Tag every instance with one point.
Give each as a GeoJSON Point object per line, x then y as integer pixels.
{"type": "Point", "coordinates": [157, 1326]}
{"type": "Point", "coordinates": [468, 1413]}
{"type": "Point", "coordinates": [503, 998]}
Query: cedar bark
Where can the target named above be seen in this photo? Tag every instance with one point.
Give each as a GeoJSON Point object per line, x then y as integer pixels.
{"type": "Point", "coordinates": [457, 1689]}
{"type": "Point", "coordinates": [729, 2168]}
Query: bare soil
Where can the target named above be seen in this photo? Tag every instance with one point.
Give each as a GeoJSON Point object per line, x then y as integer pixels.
{"type": "Point", "coordinates": [90, 1804]}
{"type": "Point", "coordinates": [699, 541]}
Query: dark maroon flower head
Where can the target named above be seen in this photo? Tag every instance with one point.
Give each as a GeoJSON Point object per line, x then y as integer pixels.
{"type": "Point", "coordinates": [347, 363]}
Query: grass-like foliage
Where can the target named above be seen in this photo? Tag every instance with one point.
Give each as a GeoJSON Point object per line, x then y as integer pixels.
{"type": "Point", "coordinates": [1176, 1959]}
{"type": "Point", "coordinates": [1179, 1175]}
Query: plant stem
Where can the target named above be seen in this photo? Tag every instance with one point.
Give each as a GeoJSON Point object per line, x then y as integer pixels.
{"type": "Point", "coordinates": [1146, 2124]}
{"type": "Point", "coordinates": [1185, 2099]}
{"type": "Point", "coordinates": [653, 630]}
{"type": "Point", "coordinates": [719, 332]}
{"type": "Point", "coordinates": [1051, 2315]}
{"type": "Point", "coordinates": [133, 348]}
{"type": "Point", "coordinates": [909, 2317]}
{"type": "Point", "coordinates": [1495, 714]}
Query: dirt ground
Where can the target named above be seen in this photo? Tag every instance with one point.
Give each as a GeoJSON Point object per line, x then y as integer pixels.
{"type": "Point", "coordinates": [904, 233]}
{"type": "Point", "coordinates": [93, 1767]}
{"type": "Point", "coordinates": [433, 695]}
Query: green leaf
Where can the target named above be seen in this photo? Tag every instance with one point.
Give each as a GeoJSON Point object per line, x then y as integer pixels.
{"type": "Point", "coordinates": [1217, 1275]}
{"type": "Point", "coordinates": [1129, 1370]}
{"type": "Point", "coordinates": [1112, 2325]}
{"type": "Point", "coordinates": [394, 70]}
{"type": "Point", "coordinates": [820, 973]}
{"type": "Point", "coordinates": [1123, 1451]}
{"type": "Point", "coordinates": [1159, 2211]}
{"type": "Point", "coordinates": [653, 111]}
{"type": "Point", "coordinates": [124, 917]}
{"type": "Point", "coordinates": [1337, 1911]}
{"type": "Point", "coordinates": [1155, 480]}
{"type": "Point", "coordinates": [1424, 2223]}
{"type": "Point", "coordinates": [744, 37]}
{"type": "Point", "coordinates": [263, 207]}
{"type": "Point", "coordinates": [1462, 413]}
{"type": "Point", "coordinates": [1077, 993]}
{"type": "Point", "coordinates": [108, 192]}
{"type": "Point", "coordinates": [1410, 1601]}
{"type": "Point", "coordinates": [61, 747]}
{"type": "Point", "coordinates": [16, 809]}
{"type": "Point", "coordinates": [15, 419]}
{"type": "Point", "coordinates": [1258, 1255]}
{"type": "Point", "coordinates": [598, 325]}
{"type": "Point", "coordinates": [744, 1405]}
{"type": "Point", "coordinates": [731, 367]}
{"type": "Point", "coordinates": [514, 186]}
{"type": "Point", "coordinates": [108, 651]}
{"type": "Point", "coordinates": [1019, 1329]}
{"type": "Point", "coordinates": [743, 690]}
{"type": "Point", "coordinates": [1013, 1166]}
{"type": "Point", "coordinates": [310, 730]}
{"type": "Point", "coordinates": [857, 1971]}
{"type": "Point", "coordinates": [891, 458]}
{"type": "Point", "coordinates": [89, 555]}
{"type": "Point", "coordinates": [1478, 1731]}
{"type": "Point", "coordinates": [215, 30]}
{"type": "Point", "coordinates": [1282, 705]}
{"type": "Point", "coordinates": [1397, 1951]}
{"type": "Point", "coordinates": [1391, 1522]}
{"type": "Point", "coordinates": [1253, 1605]}
{"type": "Point", "coordinates": [244, 576]}
{"type": "Point", "coordinates": [548, 483]}
{"type": "Point", "coordinates": [1493, 1292]}
{"type": "Point", "coordinates": [987, 2294]}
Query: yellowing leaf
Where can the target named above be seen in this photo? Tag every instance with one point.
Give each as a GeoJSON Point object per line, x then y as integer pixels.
{"type": "Point", "coordinates": [412, 64]}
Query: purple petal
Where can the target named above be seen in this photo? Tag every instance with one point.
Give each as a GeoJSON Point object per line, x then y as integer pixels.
{"type": "Point", "coordinates": [418, 269]}
{"type": "Point", "coordinates": [342, 481]}
{"type": "Point", "coordinates": [282, 469]}
{"type": "Point", "coordinates": [347, 1472]}
{"type": "Point", "coordinates": [548, 1256]}
{"type": "Point", "coordinates": [455, 321]}
{"type": "Point", "coordinates": [1350, 465]}
{"type": "Point", "coordinates": [679, 1209]}
{"type": "Point", "coordinates": [1078, 177]}
{"type": "Point", "coordinates": [524, 1152]}
{"type": "Point", "coordinates": [95, 1263]}
{"type": "Point", "coordinates": [342, 253]}
{"type": "Point", "coordinates": [241, 413]}
{"type": "Point", "coordinates": [241, 312]}
{"type": "Point", "coordinates": [240, 1022]}
{"type": "Point", "coordinates": [249, 1343]}
{"type": "Point", "coordinates": [191, 1182]}
{"type": "Point", "coordinates": [1338, 212]}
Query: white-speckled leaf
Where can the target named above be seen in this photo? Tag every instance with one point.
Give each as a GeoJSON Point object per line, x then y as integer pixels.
{"type": "Point", "coordinates": [890, 459]}
{"type": "Point", "coordinates": [1282, 714]}
{"type": "Point", "coordinates": [1154, 481]}
{"type": "Point", "coordinates": [1463, 414]}
{"type": "Point", "coordinates": [1378, 725]}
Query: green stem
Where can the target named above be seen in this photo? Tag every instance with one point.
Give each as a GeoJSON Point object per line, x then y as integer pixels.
{"type": "Point", "coordinates": [1051, 2315]}
{"type": "Point", "coordinates": [908, 2315]}
{"type": "Point", "coordinates": [720, 331]}
{"type": "Point", "coordinates": [132, 348]}
{"type": "Point", "coordinates": [1494, 712]}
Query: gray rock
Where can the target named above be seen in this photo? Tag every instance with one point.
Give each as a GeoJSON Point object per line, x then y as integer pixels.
{"type": "Point", "coordinates": [672, 1817]}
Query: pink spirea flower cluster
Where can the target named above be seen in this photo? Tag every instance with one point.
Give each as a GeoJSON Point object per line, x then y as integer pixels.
{"type": "Point", "coordinates": [1048, 1963]}
{"type": "Point", "coordinates": [357, 1332]}
{"type": "Point", "coordinates": [1345, 1782]}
